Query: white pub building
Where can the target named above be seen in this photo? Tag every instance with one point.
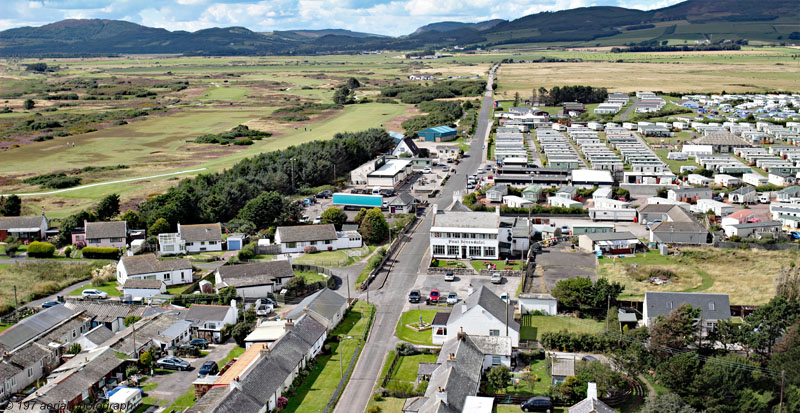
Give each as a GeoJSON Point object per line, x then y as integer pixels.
{"type": "Point", "coordinates": [465, 235]}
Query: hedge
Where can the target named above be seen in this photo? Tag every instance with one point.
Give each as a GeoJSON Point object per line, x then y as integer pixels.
{"type": "Point", "coordinates": [100, 252]}
{"type": "Point", "coordinates": [38, 249]}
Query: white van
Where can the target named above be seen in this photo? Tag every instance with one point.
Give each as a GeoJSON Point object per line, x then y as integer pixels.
{"type": "Point", "coordinates": [376, 190]}
{"type": "Point", "coordinates": [125, 400]}
{"type": "Point", "coordinates": [763, 197]}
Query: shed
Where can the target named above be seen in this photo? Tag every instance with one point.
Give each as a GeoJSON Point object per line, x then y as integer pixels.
{"type": "Point", "coordinates": [530, 302]}
{"type": "Point", "coordinates": [609, 242]}
{"type": "Point", "coordinates": [236, 241]}
{"type": "Point", "coordinates": [438, 134]}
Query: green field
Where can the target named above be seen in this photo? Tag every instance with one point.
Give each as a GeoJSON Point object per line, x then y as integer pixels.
{"type": "Point", "coordinates": [110, 288]}
{"type": "Point", "coordinates": [406, 367]}
{"type": "Point", "coordinates": [534, 326]}
{"type": "Point", "coordinates": [226, 93]}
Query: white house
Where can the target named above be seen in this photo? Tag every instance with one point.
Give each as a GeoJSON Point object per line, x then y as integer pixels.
{"type": "Point", "coordinates": [254, 280]}
{"type": "Point", "coordinates": [143, 288]}
{"type": "Point", "coordinates": [743, 195]}
{"type": "Point", "coordinates": [517, 202]}
{"type": "Point", "coordinates": [754, 179]}
{"type": "Point", "coordinates": [171, 271]}
{"type": "Point", "coordinates": [697, 179]}
{"type": "Point", "coordinates": [531, 302]}
{"type": "Point", "coordinates": [781, 179]}
{"type": "Point", "coordinates": [753, 229]}
{"type": "Point", "coordinates": [465, 235]}
{"type": "Point", "coordinates": [23, 367]}
{"type": "Point", "coordinates": [727, 180]}
{"type": "Point", "coordinates": [496, 193]}
{"type": "Point", "coordinates": [170, 243]}
{"type": "Point", "coordinates": [406, 147]}
{"type": "Point", "coordinates": [201, 237]}
{"type": "Point", "coordinates": [326, 305]}
{"type": "Point", "coordinates": [209, 320]}
{"type": "Point", "coordinates": [558, 201]}
{"type": "Point", "coordinates": [297, 238]}
{"type": "Point", "coordinates": [718, 208]}
{"type": "Point", "coordinates": [481, 314]}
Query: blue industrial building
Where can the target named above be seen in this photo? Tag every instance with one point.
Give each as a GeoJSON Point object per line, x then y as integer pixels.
{"type": "Point", "coordinates": [438, 134]}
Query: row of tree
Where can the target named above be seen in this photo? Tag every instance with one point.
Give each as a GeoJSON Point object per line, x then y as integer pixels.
{"type": "Point", "coordinates": [413, 93]}
{"type": "Point", "coordinates": [440, 112]}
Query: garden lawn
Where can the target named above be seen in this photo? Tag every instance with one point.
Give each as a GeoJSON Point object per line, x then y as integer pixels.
{"type": "Point", "coordinates": [336, 258]}
{"type": "Point", "coordinates": [176, 289]}
{"type": "Point", "coordinates": [515, 265]}
{"type": "Point", "coordinates": [388, 404]}
{"type": "Point", "coordinates": [109, 287]}
{"type": "Point", "coordinates": [311, 277]}
{"type": "Point", "coordinates": [406, 367]}
{"type": "Point", "coordinates": [533, 326]}
{"type": "Point", "coordinates": [535, 388]}
{"type": "Point", "coordinates": [235, 352]}
{"type": "Point", "coordinates": [183, 402]}
{"type": "Point", "coordinates": [415, 337]}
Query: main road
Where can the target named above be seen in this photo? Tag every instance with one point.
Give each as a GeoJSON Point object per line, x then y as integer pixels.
{"type": "Point", "coordinates": [401, 272]}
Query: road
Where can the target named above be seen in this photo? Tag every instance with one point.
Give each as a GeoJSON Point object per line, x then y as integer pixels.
{"type": "Point", "coordinates": [119, 181]}
{"type": "Point", "coordinates": [629, 109]}
{"type": "Point", "coordinates": [390, 296]}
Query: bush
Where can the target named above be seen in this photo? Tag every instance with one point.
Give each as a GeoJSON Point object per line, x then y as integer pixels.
{"type": "Point", "coordinates": [38, 249]}
{"type": "Point", "coordinates": [406, 349]}
{"type": "Point", "coordinates": [100, 252]}
{"type": "Point", "coordinates": [309, 249]}
{"type": "Point", "coordinates": [68, 252]}
{"type": "Point", "coordinates": [247, 252]}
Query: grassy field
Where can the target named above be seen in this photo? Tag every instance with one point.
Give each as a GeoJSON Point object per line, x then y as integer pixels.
{"type": "Point", "coordinates": [110, 288]}
{"type": "Point", "coordinates": [406, 367]}
{"type": "Point", "coordinates": [388, 404]}
{"type": "Point", "coordinates": [311, 276]}
{"type": "Point", "coordinates": [416, 337]}
{"type": "Point", "coordinates": [533, 326]}
{"type": "Point", "coordinates": [478, 265]}
{"type": "Point", "coordinates": [747, 276]}
{"type": "Point", "coordinates": [38, 279]}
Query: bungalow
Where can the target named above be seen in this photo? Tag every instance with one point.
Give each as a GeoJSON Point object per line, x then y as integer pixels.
{"type": "Point", "coordinates": [531, 302]}
{"type": "Point", "coordinates": [743, 195]}
{"type": "Point", "coordinates": [171, 271]}
{"type": "Point", "coordinates": [209, 320]}
{"type": "Point", "coordinates": [112, 234]}
{"type": "Point", "coordinates": [266, 332]}
{"type": "Point", "coordinates": [726, 180]}
{"type": "Point", "coordinates": [496, 193]}
{"type": "Point", "coordinates": [254, 280]}
{"type": "Point", "coordinates": [482, 313]}
{"type": "Point", "coordinates": [679, 232]}
{"type": "Point", "coordinates": [406, 147]}
{"type": "Point", "coordinates": [201, 237]}
{"type": "Point", "coordinates": [690, 195]}
{"type": "Point", "coordinates": [322, 237]}
{"type": "Point", "coordinates": [713, 307]}
{"type": "Point", "coordinates": [532, 193]}
{"type": "Point", "coordinates": [327, 306]}
{"type": "Point", "coordinates": [25, 229]}
{"type": "Point", "coordinates": [697, 179]}
{"type": "Point", "coordinates": [609, 242]}
{"type": "Point", "coordinates": [753, 229]}
{"type": "Point", "coordinates": [514, 201]}
{"type": "Point", "coordinates": [717, 208]}
{"type": "Point", "coordinates": [781, 178]}
{"type": "Point", "coordinates": [403, 203]}
{"type": "Point", "coordinates": [754, 179]}
{"type": "Point", "coordinates": [143, 288]}
{"type": "Point", "coordinates": [784, 195]}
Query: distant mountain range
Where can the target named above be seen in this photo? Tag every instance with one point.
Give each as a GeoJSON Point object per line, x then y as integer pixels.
{"type": "Point", "coordinates": [692, 20]}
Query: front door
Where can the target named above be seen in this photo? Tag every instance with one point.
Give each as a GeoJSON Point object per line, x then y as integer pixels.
{"type": "Point", "coordinates": [463, 252]}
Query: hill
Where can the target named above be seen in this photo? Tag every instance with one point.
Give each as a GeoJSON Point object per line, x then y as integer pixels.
{"type": "Point", "coordinates": [324, 32]}
{"type": "Point", "coordinates": [450, 26]}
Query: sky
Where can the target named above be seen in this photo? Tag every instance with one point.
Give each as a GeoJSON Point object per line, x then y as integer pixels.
{"type": "Point", "coordinates": [388, 17]}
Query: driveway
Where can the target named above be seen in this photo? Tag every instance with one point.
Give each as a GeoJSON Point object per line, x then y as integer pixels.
{"type": "Point", "coordinates": [172, 385]}
{"type": "Point", "coordinates": [560, 263]}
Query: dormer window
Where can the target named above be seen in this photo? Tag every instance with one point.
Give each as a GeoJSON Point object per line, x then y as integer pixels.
{"type": "Point", "coordinates": [711, 306]}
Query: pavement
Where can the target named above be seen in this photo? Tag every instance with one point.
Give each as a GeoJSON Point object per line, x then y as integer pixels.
{"type": "Point", "coordinates": [172, 385]}
{"type": "Point", "coordinates": [390, 288]}
{"type": "Point", "coordinates": [561, 262]}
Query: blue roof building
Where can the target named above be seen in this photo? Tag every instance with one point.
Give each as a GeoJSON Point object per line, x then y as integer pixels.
{"type": "Point", "coordinates": [438, 134]}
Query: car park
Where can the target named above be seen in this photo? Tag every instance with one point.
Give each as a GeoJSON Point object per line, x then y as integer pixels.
{"type": "Point", "coordinates": [200, 343]}
{"type": "Point", "coordinates": [497, 278]}
{"type": "Point", "coordinates": [48, 304]}
{"type": "Point", "coordinates": [172, 363]}
{"type": "Point", "coordinates": [434, 296]}
{"type": "Point", "coordinates": [537, 404]}
{"type": "Point", "coordinates": [449, 276]}
{"type": "Point", "coordinates": [414, 296]}
{"type": "Point", "coordinates": [94, 294]}
{"type": "Point", "coordinates": [208, 368]}
{"type": "Point", "coordinates": [452, 298]}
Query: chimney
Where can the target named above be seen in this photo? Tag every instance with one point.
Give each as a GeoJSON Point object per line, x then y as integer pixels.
{"type": "Point", "coordinates": [461, 334]}
{"type": "Point", "coordinates": [441, 394]}
{"type": "Point", "coordinates": [289, 325]}
{"type": "Point", "coordinates": [233, 304]}
{"type": "Point", "coordinates": [235, 383]}
{"type": "Point", "coordinates": [591, 391]}
{"type": "Point", "coordinates": [264, 352]}
{"type": "Point", "coordinates": [451, 359]}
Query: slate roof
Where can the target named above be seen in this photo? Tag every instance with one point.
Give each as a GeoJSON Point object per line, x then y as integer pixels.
{"type": "Point", "coordinates": [591, 405]}
{"type": "Point", "coordinates": [721, 138]}
{"type": "Point", "coordinates": [33, 326]}
{"type": "Point", "coordinates": [7, 223]}
{"type": "Point", "coordinates": [490, 302]}
{"type": "Point", "coordinates": [306, 233]}
{"type": "Point", "coordinates": [472, 219]}
{"type": "Point", "coordinates": [459, 378]}
{"type": "Point", "coordinates": [564, 367]}
{"type": "Point", "coordinates": [610, 236]}
{"type": "Point", "coordinates": [440, 319]}
{"type": "Point", "coordinates": [494, 345]}
{"type": "Point", "coordinates": [411, 145]}
{"type": "Point", "coordinates": [29, 355]}
{"type": "Point", "coordinates": [259, 273]}
{"type": "Point", "coordinates": [657, 208]}
{"type": "Point", "coordinates": [148, 264]}
{"type": "Point", "coordinates": [662, 303]}
{"type": "Point", "coordinates": [403, 199]}
{"type": "Point", "coordinates": [202, 312]}
{"type": "Point", "coordinates": [141, 283]}
{"type": "Point", "coordinates": [80, 380]}
{"type": "Point", "coordinates": [112, 229]}
{"type": "Point", "coordinates": [106, 312]}
{"type": "Point", "coordinates": [743, 190]}
{"type": "Point", "coordinates": [8, 371]}
{"type": "Point", "coordinates": [324, 302]}
{"type": "Point", "coordinates": [677, 226]}
{"type": "Point", "coordinates": [201, 232]}
{"type": "Point", "coordinates": [99, 334]}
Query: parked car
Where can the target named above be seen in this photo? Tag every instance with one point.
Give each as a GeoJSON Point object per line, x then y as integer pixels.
{"type": "Point", "coordinates": [317, 220]}
{"type": "Point", "coordinates": [426, 170]}
{"type": "Point", "coordinates": [652, 224]}
{"type": "Point", "coordinates": [389, 192]}
{"type": "Point", "coordinates": [565, 229]}
{"type": "Point", "coordinates": [449, 276]}
{"type": "Point", "coordinates": [589, 358]}
{"type": "Point", "coordinates": [504, 297]}
{"type": "Point", "coordinates": [450, 160]}
{"type": "Point", "coordinates": [445, 168]}
{"type": "Point", "coordinates": [452, 298]}
{"type": "Point", "coordinates": [414, 296]}
{"type": "Point", "coordinates": [172, 363]}
{"type": "Point", "coordinates": [199, 343]}
{"type": "Point", "coordinates": [537, 404]}
{"type": "Point", "coordinates": [304, 219]}
{"type": "Point", "coordinates": [264, 309]}
{"type": "Point", "coordinates": [434, 296]}
{"type": "Point", "coordinates": [48, 304]}
{"type": "Point", "coordinates": [94, 294]}
{"type": "Point", "coordinates": [208, 368]}
{"type": "Point", "coordinates": [324, 194]}
{"type": "Point", "coordinates": [470, 185]}
{"type": "Point", "coordinates": [497, 278]}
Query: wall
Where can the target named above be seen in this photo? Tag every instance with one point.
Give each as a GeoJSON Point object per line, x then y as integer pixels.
{"type": "Point", "coordinates": [476, 321]}
{"type": "Point", "coordinates": [529, 305]}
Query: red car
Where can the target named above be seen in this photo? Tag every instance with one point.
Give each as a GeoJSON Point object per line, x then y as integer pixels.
{"type": "Point", "coordinates": [434, 296]}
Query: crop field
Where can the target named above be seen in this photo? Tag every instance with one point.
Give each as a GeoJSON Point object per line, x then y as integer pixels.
{"type": "Point", "coordinates": [747, 276]}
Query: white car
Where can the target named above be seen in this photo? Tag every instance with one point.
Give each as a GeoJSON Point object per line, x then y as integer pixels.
{"type": "Point", "coordinates": [92, 293]}
{"type": "Point", "coordinates": [427, 170]}
{"type": "Point", "coordinates": [264, 310]}
{"type": "Point", "coordinates": [452, 299]}
{"type": "Point", "coordinates": [497, 278]}
{"type": "Point", "coordinates": [317, 220]}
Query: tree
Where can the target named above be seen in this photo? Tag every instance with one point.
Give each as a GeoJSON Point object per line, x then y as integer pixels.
{"type": "Point", "coordinates": [675, 331]}
{"type": "Point", "coordinates": [334, 216]}
{"type": "Point", "coordinates": [342, 95]}
{"type": "Point", "coordinates": [768, 323]}
{"type": "Point", "coordinates": [240, 331]}
{"type": "Point", "coordinates": [787, 355]}
{"type": "Point", "coordinates": [10, 206]}
{"type": "Point", "coordinates": [573, 292]}
{"type": "Point", "coordinates": [374, 227]}
{"type": "Point", "coordinates": [604, 292]}
{"type": "Point", "coordinates": [71, 222]}
{"type": "Point", "coordinates": [28, 104]}
{"type": "Point", "coordinates": [12, 245]}
{"type": "Point", "coordinates": [247, 252]}
{"type": "Point", "coordinates": [498, 378]}
{"type": "Point", "coordinates": [161, 225]}
{"type": "Point", "coordinates": [678, 370]}
{"type": "Point", "coordinates": [146, 359]}
{"type": "Point", "coordinates": [662, 192]}
{"type": "Point", "coordinates": [262, 210]}
{"type": "Point", "coordinates": [516, 98]}
{"type": "Point", "coordinates": [718, 385]}
{"type": "Point", "coordinates": [353, 83]}
{"type": "Point", "coordinates": [360, 215]}
{"type": "Point", "coordinates": [108, 207]}
{"type": "Point", "coordinates": [133, 219]}
{"type": "Point", "coordinates": [789, 283]}
{"type": "Point", "coordinates": [666, 403]}
{"type": "Point", "coordinates": [75, 348]}
{"type": "Point", "coordinates": [131, 319]}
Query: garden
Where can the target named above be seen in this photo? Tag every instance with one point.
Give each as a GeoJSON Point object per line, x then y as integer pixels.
{"type": "Point", "coordinates": [415, 335]}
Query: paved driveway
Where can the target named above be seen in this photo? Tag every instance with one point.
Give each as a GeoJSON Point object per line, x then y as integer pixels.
{"type": "Point", "coordinates": [172, 385]}
{"type": "Point", "coordinates": [560, 263]}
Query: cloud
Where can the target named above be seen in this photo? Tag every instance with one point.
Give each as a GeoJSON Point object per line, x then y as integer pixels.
{"type": "Point", "coordinates": [391, 17]}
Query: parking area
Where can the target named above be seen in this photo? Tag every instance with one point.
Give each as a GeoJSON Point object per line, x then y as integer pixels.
{"type": "Point", "coordinates": [461, 285]}
{"type": "Point", "coordinates": [635, 228]}
{"type": "Point", "coordinates": [560, 263]}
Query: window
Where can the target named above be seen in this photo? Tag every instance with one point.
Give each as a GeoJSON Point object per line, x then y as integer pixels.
{"type": "Point", "coordinates": [496, 360]}
{"type": "Point", "coordinates": [327, 242]}
{"type": "Point", "coordinates": [166, 277]}
{"type": "Point", "coordinates": [41, 363]}
{"type": "Point", "coordinates": [291, 244]}
{"type": "Point", "coordinates": [73, 333]}
{"type": "Point", "coordinates": [30, 372]}
{"type": "Point", "coordinates": [475, 251]}
{"type": "Point", "coordinates": [488, 252]}
{"type": "Point", "coordinates": [438, 250]}
{"type": "Point", "coordinates": [711, 306]}
{"type": "Point", "coordinates": [494, 332]}
{"type": "Point", "coordinates": [452, 250]}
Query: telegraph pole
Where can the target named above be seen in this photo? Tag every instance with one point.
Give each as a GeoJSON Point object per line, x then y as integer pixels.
{"type": "Point", "coordinates": [292, 174]}
{"type": "Point", "coordinates": [783, 378]}
{"type": "Point", "coordinates": [16, 305]}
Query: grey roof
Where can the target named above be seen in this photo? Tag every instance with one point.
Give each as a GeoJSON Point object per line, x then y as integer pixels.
{"type": "Point", "coordinates": [258, 273]}
{"type": "Point", "coordinates": [29, 355]}
{"type": "Point", "coordinates": [459, 378]}
{"type": "Point", "coordinates": [414, 404]}
{"type": "Point", "coordinates": [490, 302]}
{"type": "Point", "coordinates": [502, 189]}
{"type": "Point", "coordinates": [794, 189]}
{"type": "Point", "coordinates": [411, 145]}
{"type": "Point", "coordinates": [459, 206]}
{"type": "Point", "coordinates": [300, 233]}
{"type": "Point", "coordinates": [176, 329]}
{"type": "Point", "coordinates": [99, 334]}
{"type": "Point", "coordinates": [662, 303]}
{"type": "Point", "coordinates": [764, 224]}
{"type": "Point", "coordinates": [8, 370]}
{"type": "Point", "coordinates": [148, 264]}
{"type": "Point", "coordinates": [58, 334]}
{"type": "Point", "coordinates": [690, 190]}
{"type": "Point", "coordinates": [721, 138]}
{"type": "Point", "coordinates": [106, 312]}
{"type": "Point", "coordinates": [677, 226]}
{"type": "Point", "coordinates": [113, 229]}
{"type": "Point", "coordinates": [743, 190]}
{"type": "Point", "coordinates": [591, 405]}
{"type": "Point", "coordinates": [33, 326]}
{"type": "Point", "coordinates": [201, 232]}
{"type": "Point", "coordinates": [141, 283]}
{"type": "Point", "coordinates": [236, 401]}
{"type": "Point", "coordinates": [564, 367]}
{"type": "Point", "coordinates": [656, 208]}
{"type": "Point", "coordinates": [493, 345]}
{"type": "Point", "coordinates": [35, 221]}
{"type": "Point", "coordinates": [202, 312]}
{"type": "Point", "coordinates": [610, 236]}
{"type": "Point", "coordinates": [426, 369]}
{"type": "Point", "coordinates": [625, 317]}
{"type": "Point", "coordinates": [472, 219]}
{"type": "Point", "coordinates": [324, 302]}
{"type": "Point", "coordinates": [349, 227]}
{"type": "Point", "coordinates": [440, 319]}
{"type": "Point", "coordinates": [402, 199]}
{"type": "Point", "coordinates": [81, 380]}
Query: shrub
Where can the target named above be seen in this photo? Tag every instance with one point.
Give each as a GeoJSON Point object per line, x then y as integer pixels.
{"type": "Point", "coordinates": [75, 348]}
{"type": "Point", "coordinates": [406, 349]}
{"type": "Point", "coordinates": [68, 252]}
{"type": "Point", "coordinates": [309, 249]}
{"type": "Point", "coordinates": [38, 249]}
{"type": "Point", "coordinates": [100, 252]}
{"type": "Point", "coordinates": [247, 252]}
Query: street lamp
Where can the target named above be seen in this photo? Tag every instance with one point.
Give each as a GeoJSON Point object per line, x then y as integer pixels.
{"type": "Point", "coordinates": [341, 353]}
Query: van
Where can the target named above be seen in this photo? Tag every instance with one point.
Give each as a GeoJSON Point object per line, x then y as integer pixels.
{"type": "Point", "coordinates": [376, 190]}
{"type": "Point", "coordinates": [763, 197]}
{"type": "Point", "coordinates": [125, 399]}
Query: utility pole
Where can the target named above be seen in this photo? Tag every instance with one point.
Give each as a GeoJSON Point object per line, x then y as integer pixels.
{"type": "Point", "coordinates": [16, 305]}
{"type": "Point", "coordinates": [292, 174]}
{"type": "Point", "coordinates": [783, 378]}
{"type": "Point", "coordinates": [347, 275]}
{"type": "Point", "coordinates": [507, 303]}
{"type": "Point", "coordinates": [608, 307]}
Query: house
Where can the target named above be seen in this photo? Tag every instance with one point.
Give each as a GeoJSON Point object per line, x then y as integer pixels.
{"type": "Point", "coordinates": [743, 195]}
{"type": "Point", "coordinates": [496, 193]}
{"type": "Point", "coordinates": [563, 202]}
{"type": "Point", "coordinates": [266, 332]}
{"type": "Point", "coordinates": [713, 307]}
{"type": "Point", "coordinates": [786, 194]}
{"type": "Point", "coordinates": [327, 306]}
{"type": "Point", "coordinates": [39, 325]}
{"type": "Point", "coordinates": [655, 212]}
{"type": "Point", "coordinates": [173, 271]}
{"type": "Point", "coordinates": [297, 238]}
{"type": "Point", "coordinates": [163, 329]}
{"type": "Point", "coordinates": [754, 179]}
{"type": "Point", "coordinates": [542, 302]}
{"type": "Point", "coordinates": [438, 134]}
{"type": "Point", "coordinates": [106, 313]}
{"type": "Point", "coordinates": [23, 367]}
{"type": "Point", "coordinates": [591, 404]}
{"type": "Point", "coordinates": [465, 234]}
{"type": "Point", "coordinates": [482, 313]}
{"type": "Point", "coordinates": [112, 234]}
{"type": "Point", "coordinates": [609, 242]}
{"type": "Point", "coordinates": [697, 179]}
{"type": "Point", "coordinates": [573, 107]}
{"type": "Point", "coordinates": [532, 193]}
{"type": "Point", "coordinates": [171, 243]}
{"type": "Point", "coordinates": [25, 229]}
{"type": "Point", "coordinates": [686, 231]}
{"type": "Point", "coordinates": [201, 237]}
{"type": "Point", "coordinates": [254, 280]}
{"type": "Point", "coordinates": [753, 229]}
{"type": "Point", "coordinates": [94, 338]}
{"type": "Point", "coordinates": [209, 320]}
{"type": "Point", "coordinates": [406, 148]}
{"type": "Point", "coordinates": [690, 195]}
{"type": "Point", "coordinates": [514, 201]}
{"type": "Point", "coordinates": [739, 217]}
{"type": "Point", "coordinates": [580, 228]}
{"type": "Point", "coordinates": [403, 203]}
{"type": "Point", "coordinates": [726, 180]}
{"type": "Point", "coordinates": [143, 288]}
{"type": "Point", "coordinates": [709, 205]}
{"type": "Point", "coordinates": [778, 178]}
